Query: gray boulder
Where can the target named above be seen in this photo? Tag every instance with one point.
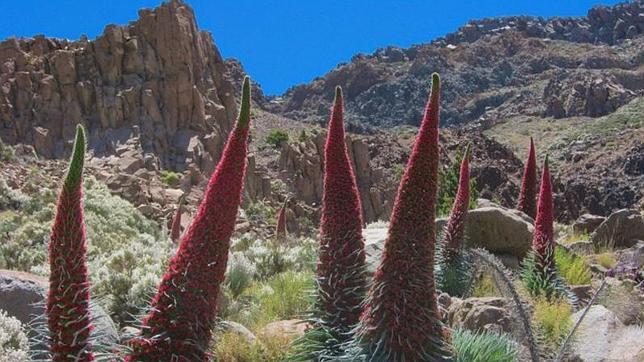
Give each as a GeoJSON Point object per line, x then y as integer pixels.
{"type": "Point", "coordinates": [623, 229]}
{"type": "Point", "coordinates": [481, 314]}
{"type": "Point", "coordinates": [587, 223]}
{"type": "Point", "coordinates": [603, 337]}
{"type": "Point", "coordinates": [23, 296]}
{"type": "Point", "coordinates": [500, 230]}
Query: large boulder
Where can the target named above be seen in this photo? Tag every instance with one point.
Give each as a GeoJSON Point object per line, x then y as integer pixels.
{"type": "Point", "coordinates": [603, 337]}
{"type": "Point", "coordinates": [291, 328]}
{"type": "Point", "coordinates": [481, 314]}
{"type": "Point", "coordinates": [587, 223]}
{"type": "Point", "coordinates": [500, 230]}
{"type": "Point", "coordinates": [23, 296]}
{"type": "Point", "coordinates": [621, 229]}
{"type": "Point", "coordinates": [234, 327]}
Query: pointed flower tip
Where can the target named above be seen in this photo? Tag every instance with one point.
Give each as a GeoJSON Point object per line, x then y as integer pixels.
{"type": "Point", "coordinates": [468, 151]}
{"type": "Point", "coordinates": [545, 162]}
{"type": "Point", "coordinates": [78, 158]}
{"type": "Point", "coordinates": [436, 84]}
{"type": "Point", "coordinates": [244, 109]}
{"type": "Point", "coordinates": [338, 93]}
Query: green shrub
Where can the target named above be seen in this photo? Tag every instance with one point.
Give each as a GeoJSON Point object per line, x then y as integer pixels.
{"type": "Point", "coordinates": [13, 340]}
{"type": "Point", "coordinates": [284, 296]}
{"type": "Point", "coordinates": [7, 154]}
{"type": "Point", "coordinates": [261, 212]}
{"type": "Point", "coordinates": [552, 319]}
{"type": "Point", "coordinates": [233, 347]}
{"type": "Point", "coordinates": [483, 347]}
{"type": "Point", "coordinates": [572, 238]}
{"type": "Point", "coordinates": [572, 268]}
{"type": "Point", "coordinates": [276, 137]}
{"type": "Point", "coordinates": [240, 274]}
{"type": "Point", "coordinates": [485, 286]}
{"type": "Point", "coordinates": [606, 259]}
{"type": "Point", "coordinates": [126, 251]}
{"type": "Point", "coordinates": [170, 178]}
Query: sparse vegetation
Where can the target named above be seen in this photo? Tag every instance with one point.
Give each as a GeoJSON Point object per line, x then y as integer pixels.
{"type": "Point", "coordinates": [606, 259]}
{"type": "Point", "coordinates": [13, 339]}
{"type": "Point", "coordinates": [552, 319]}
{"type": "Point", "coordinates": [276, 137]}
{"type": "Point", "coordinates": [170, 178]}
{"type": "Point", "coordinates": [572, 268]}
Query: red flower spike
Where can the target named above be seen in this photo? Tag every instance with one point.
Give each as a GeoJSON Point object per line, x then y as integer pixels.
{"type": "Point", "coordinates": [68, 315]}
{"type": "Point", "coordinates": [342, 280]}
{"type": "Point", "coordinates": [456, 222]}
{"type": "Point", "coordinates": [179, 326]}
{"type": "Point", "coordinates": [401, 321]}
{"type": "Point", "coordinates": [280, 228]}
{"type": "Point", "coordinates": [543, 242]}
{"type": "Point", "coordinates": [528, 194]}
{"type": "Point", "coordinates": [175, 231]}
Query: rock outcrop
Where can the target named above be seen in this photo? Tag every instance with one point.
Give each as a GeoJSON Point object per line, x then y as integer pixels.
{"type": "Point", "coordinates": [152, 92]}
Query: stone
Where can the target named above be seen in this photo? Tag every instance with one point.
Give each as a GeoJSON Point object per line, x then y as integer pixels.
{"type": "Point", "coordinates": [621, 229]}
{"type": "Point", "coordinates": [587, 223]}
{"type": "Point", "coordinates": [23, 296]}
{"type": "Point", "coordinates": [602, 337]}
{"type": "Point", "coordinates": [582, 247]}
{"type": "Point", "coordinates": [481, 314]}
{"type": "Point", "coordinates": [234, 327]}
{"type": "Point", "coordinates": [291, 328]}
{"type": "Point", "coordinates": [499, 230]}
{"type": "Point", "coordinates": [583, 292]}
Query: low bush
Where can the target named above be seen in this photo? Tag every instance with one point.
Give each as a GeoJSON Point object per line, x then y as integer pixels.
{"type": "Point", "coordinates": [276, 137]}
{"type": "Point", "coordinates": [572, 268]}
{"type": "Point", "coordinates": [126, 251]}
{"type": "Point", "coordinates": [13, 339]}
{"type": "Point", "coordinates": [552, 319]}
{"type": "Point", "coordinates": [606, 259]}
{"type": "Point", "coordinates": [170, 178]}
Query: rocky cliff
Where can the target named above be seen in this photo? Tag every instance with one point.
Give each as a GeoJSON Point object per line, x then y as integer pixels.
{"type": "Point", "coordinates": [152, 91]}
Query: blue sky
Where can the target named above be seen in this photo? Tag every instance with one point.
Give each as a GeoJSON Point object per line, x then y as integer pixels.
{"type": "Point", "coordinates": [287, 42]}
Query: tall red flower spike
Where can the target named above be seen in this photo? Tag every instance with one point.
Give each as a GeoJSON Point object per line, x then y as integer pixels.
{"type": "Point", "coordinates": [528, 194]}
{"type": "Point", "coordinates": [543, 242]}
{"type": "Point", "coordinates": [456, 223]}
{"type": "Point", "coordinates": [280, 229]}
{"type": "Point", "coordinates": [401, 321]}
{"type": "Point", "coordinates": [68, 315]}
{"type": "Point", "coordinates": [342, 280]}
{"type": "Point", "coordinates": [179, 326]}
{"type": "Point", "coordinates": [175, 230]}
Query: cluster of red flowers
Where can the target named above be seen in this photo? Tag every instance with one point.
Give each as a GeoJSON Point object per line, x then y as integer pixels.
{"type": "Point", "coordinates": [528, 194]}
{"type": "Point", "coordinates": [543, 242]}
{"type": "Point", "coordinates": [455, 229]}
{"type": "Point", "coordinates": [68, 315]}
{"type": "Point", "coordinates": [401, 321]}
{"type": "Point", "coordinates": [280, 228]}
{"type": "Point", "coordinates": [342, 280]}
{"type": "Point", "coordinates": [179, 327]}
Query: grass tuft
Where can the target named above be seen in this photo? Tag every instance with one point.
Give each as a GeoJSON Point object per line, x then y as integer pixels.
{"type": "Point", "coordinates": [483, 347]}
{"type": "Point", "coordinates": [572, 268]}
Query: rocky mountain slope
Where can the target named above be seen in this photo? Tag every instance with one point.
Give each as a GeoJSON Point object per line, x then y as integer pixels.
{"type": "Point", "coordinates": [492, 69]}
